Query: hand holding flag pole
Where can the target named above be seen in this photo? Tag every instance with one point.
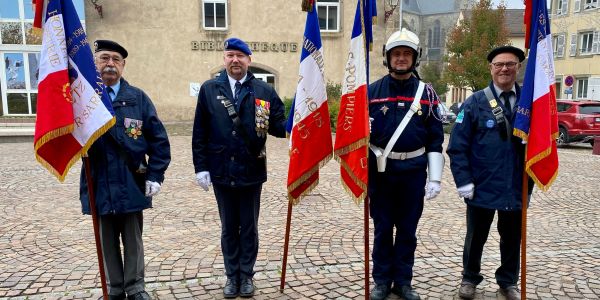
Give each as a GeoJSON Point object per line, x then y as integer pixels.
{"type": "Point", "coordinates": [308, 123]}
{"type": "Point", "coordinates": [67, 87]}
{"type": "Point", "coordinates": [536, 118]}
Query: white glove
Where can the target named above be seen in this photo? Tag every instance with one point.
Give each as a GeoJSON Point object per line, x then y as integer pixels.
{"type": "Point", "coordinates": [370, 121]}
{"type": "Point", "coordinates": [152, 188]}
{"type": "Point", "coordinates": [432, 189]}
{"type": "Point", "coordinates": [203, 180]}
{"type": "Point", "coordinates": [466, 191]}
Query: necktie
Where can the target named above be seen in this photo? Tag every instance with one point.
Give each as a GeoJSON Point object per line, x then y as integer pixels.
{"type": "Point", "coordinates": [111, 93]}
{"type": "Point", "coordinates": [238, 88]}
{"type": "Point", "coordinates": [505, 96]}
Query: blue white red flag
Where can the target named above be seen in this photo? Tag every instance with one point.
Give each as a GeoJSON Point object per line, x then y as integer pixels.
{"type": "Point", "coordinates": [536, 120]}
{"type": "Point", "coordinates": [73, 108]}
{"type": "Point", "coordinates": [352, 131]}
{"type": "Point", "coordinates": [308, 123]}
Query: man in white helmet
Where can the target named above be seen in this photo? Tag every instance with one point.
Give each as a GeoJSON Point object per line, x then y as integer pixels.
{"type": "Point", "coordinates": [405, 163]}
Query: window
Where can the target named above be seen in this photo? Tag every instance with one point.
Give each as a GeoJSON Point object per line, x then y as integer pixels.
{"type": "Point", "coordinates": [559, 45]}
{"type": "Point", "coordinates": [582, 88]}
{"type": "Point", "coordinates": [215, 14]}
{"type": "Point", "coordinates": [561, 107]}
{"type": "Point", "coordinates": [590, 4]}
{"type": "Point", "coordinates": [329, 15]}
{"type": "Point", "coordinates": [434, 42]}
{"type": "Point", "coordinates": [592, 109]}
{"type": "Point", "coordinates": [20, 56]}
{"type": "Point", "coordinates": [561, 7]}
{"type": "Point", "coordinates": [585, 42]}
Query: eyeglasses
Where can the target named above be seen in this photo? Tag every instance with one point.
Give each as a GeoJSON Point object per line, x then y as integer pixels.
{"type": "Point", "coordinates": [501, 65]}
{"type": "Point", "coordinates": [106, 58]}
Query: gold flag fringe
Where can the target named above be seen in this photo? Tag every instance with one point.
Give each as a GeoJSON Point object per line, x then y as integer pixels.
{"type": "Point", "coordinates": [356, 181]}
{"type": "Point", "coordinates": [537, 158]}
{"type": "Point", "coordinates": [352, 147]}
{"type": "Point", "coordinates": [520, 133]}
{"type": "Point", "coordinates": [534, 160]}
{"type": "Point", "coordinates": [63, 131]}
{"type": "Point", "coordinates": [307, 5]}
{"type": "Point", "coordinates": [305, 177]}
{"type": "Point", "coordinates": [37, 31]}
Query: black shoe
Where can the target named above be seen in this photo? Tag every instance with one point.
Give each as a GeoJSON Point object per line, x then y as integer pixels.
{"type": "Point", "coordinates": [247, 288]}
{"type": "Point", "coordinates": [379, 292]}
{"type": "Point", "coordinates": [114, 297]}
{"type": "Point", "coordinates": [231, 289]}
{"type": "Point", "coordinates": [467, 290]}
{"type": "Point", "coordinates": [511, 292]}
{"type": "Point", "coordinates": [406, 292]}
{"type": "Point", "coordinates": [139, 296]}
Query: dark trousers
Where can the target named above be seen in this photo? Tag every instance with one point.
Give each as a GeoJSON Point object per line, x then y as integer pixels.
{"type": "Point", "coordinates": [238, 210]}
{"type": "Point", "coordinates": [396, 201]}
{"type": "Point", "coordinates": [479, 221]}
{"type": "Point", "coordinates": [124, 273]}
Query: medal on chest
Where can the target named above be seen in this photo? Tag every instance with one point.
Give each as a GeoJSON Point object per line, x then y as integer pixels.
{"type": "Point", "coordinates": [262, 109]}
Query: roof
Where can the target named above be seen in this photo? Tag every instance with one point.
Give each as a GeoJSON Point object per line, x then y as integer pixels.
{"type": "Point", "coordinates": [430, 7]}
{"type": "Point", "coordinates": [513, 20]}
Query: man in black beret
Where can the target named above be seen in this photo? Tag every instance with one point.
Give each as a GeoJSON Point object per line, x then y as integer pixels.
{"type": "Point", "coordinates": [124, 181]}
{"type": "Point", "coordinates": [234, 114]}
{"type": "Point", "coordinates": [487, 163]}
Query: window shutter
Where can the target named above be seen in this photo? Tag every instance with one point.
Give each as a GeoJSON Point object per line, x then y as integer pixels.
{"type": "Point", "coordinates": [595, 42]}
{"type": "Point", "coordinates": [573, 48]}
{"type": "Point", "coordinates": [565, 4]}
{"type": "Point", "coordinates": [560, 45]}
{"type": "Point", "coordinates": [577, 7]}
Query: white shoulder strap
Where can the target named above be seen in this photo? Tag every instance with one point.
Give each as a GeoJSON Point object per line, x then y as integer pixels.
{"type": "Point", "coordinates": [414, 107]}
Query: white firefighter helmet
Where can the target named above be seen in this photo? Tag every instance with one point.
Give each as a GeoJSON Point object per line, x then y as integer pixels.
{"type": "Point", "coordinates": [404, 38]}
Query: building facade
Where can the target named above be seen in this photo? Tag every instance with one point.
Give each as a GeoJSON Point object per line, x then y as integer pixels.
{"type": "Point", "coordinates": [20, 52]}
{"type": "Point", "coordinates": [576, 41]}
{"type": "Point", "coordinates": [175, 46]}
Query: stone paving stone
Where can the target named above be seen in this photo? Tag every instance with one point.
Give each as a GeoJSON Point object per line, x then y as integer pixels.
{"type": "Point", "coordinates": [47, 249]}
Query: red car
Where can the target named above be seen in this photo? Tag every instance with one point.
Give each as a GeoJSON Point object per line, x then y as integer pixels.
{"type": "Point", "coordinates": [578, 121]}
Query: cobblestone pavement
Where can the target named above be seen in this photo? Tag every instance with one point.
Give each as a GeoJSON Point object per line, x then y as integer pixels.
{"type": "Point", "coordinates": [47, 249]}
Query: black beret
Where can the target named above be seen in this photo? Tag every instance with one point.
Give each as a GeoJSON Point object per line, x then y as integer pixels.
{"type": "Point", "coordinates": [106, 45]}
{"type": "Point", "coordinates": [506, 49]}
{"type": "Point", "coordinates": [237, 44]}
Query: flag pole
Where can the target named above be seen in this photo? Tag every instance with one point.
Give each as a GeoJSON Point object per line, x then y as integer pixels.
{"type": "Point", "coordinates": [366, 240]}
{"type": "Point", "coordinates": [92, 198]}
{"type": "Point", "coordinates": [524, 204]}
{"type": "Point", "coordinates": [286, 243]}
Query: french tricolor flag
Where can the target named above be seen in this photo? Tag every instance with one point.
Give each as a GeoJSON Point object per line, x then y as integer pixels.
{"type": "Point", "coordinates": [536, 120]}
{"type": "Point", "coordinates": [308, 123]}
{"type": "Point", "coordinates": [352, 131]}
{"type": "Point", "coordinates": [73, 109]}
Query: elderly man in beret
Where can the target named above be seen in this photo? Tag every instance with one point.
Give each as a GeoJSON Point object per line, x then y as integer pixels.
{"type": "Point", "coordinates": [234, 114]}
{"type": "Point", "coordinates": [124, 181]}
{"type": "Point", "coordinates": [487, 162]}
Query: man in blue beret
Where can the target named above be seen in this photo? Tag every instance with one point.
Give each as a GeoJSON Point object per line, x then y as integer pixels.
{"type": "Point", "coordinates": [124, 181]}
{"type": "Point", "coordinates": [234, 114]}
{"type": "Point", "coordinates": [487, 163]}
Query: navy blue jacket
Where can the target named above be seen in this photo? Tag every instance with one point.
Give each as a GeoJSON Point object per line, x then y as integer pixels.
{"type": "Point", "coordinates": [221, 148]}
{"type": "Point", "coordinates": [117, 154]}
{"type": "Point", "coordinates": [389, 101]}
{"type": "Point", "coordinates": [479, 155]}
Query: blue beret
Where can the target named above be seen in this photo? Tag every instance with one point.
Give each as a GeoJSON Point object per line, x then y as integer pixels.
{"type": "Point", "coordinates": [506, 49]}
{"type": "Point", "coordinates": [106, 45]}
{"type": "Point", "coordinates": [237, 44]}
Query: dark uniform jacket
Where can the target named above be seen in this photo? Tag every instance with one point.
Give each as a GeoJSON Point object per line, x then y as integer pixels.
{"type": "Point", "coordinates": [116, 156]}
{"type": "Point", "coordinates": [389, 101]}
{"type": "Point", "coordinates": [231, 154]}
{"type": "Point", "coordinates": [480, 155]}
